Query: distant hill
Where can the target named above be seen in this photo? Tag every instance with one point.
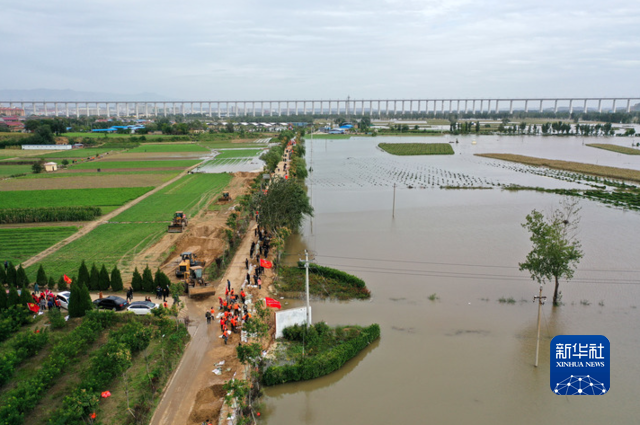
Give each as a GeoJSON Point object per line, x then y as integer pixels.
{"type": "Point", "coordinates": [75, 96]}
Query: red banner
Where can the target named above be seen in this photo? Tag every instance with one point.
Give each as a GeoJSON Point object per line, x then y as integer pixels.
{"type": "Point", "coordinates": [33, 307]}
{"type": "Point", "coordinates": [266, 263]}
{"type": "Point", "coordinates": [272, 303]}
{"type": "Point", "coordinates": [67, 279]}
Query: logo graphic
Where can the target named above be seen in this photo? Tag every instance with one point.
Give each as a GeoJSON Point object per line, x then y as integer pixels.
{"type": "Point", "coordinates": [580, 365]}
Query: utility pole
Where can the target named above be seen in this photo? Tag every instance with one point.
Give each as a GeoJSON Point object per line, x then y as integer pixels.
{"type": "Point", "coordinates": [393, 213]}
{"type": "Point", "coordinates": [306, 267]}
{"type": "Point", "coordinates": [540, 299]}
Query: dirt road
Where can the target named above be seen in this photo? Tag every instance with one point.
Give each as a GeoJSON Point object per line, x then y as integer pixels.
{"type": "Point", "coordinates": [194, 393]}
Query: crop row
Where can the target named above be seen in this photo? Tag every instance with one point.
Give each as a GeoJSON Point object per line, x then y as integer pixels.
{"type": "Point", "coordinates": [107, 244]}
{"type": "Point", "coordinates": [71, 197]}
{"type": "Point", "coordinates": [238, 153]}
{"type": "Point", "coordinates": [48, 214]}
{"type": "Point", "coordinates": [17, 245]}
{"type": "Point", "coordinates": [188, 194]}
{"type": "Point", "coordinates": [417, 148]}
{"type": "Point", "coordinates": [181, 147]}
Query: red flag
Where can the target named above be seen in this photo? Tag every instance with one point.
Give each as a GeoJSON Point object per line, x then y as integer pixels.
{"type": "Point", "coordinates": [93, 415]}
{"type": "Point", "coordinates": [266, 263]}
{"type": "Point", "coordinates": [272, 303]}
{"type": "Point", "coordinates": [106, 394]}
{"type": "Point", "coordinates": [67, 279]}
{"type": "Point", "coordinates": [33, 307]}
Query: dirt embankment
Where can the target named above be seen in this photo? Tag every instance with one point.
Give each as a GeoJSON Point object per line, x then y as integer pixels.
{"type": "Point", "coordinates": [204, 235]}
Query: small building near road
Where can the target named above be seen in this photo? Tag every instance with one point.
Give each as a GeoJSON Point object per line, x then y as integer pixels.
{"type": "Point", "coordinates": [50, 166]}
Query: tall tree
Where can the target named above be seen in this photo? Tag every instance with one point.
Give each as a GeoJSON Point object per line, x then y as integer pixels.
{"type": "Point", "coordinates": [556, 251]}
{"type": "Point", "coordinates": [284, 205]}
{"type": "Point", "coordinates": [3, 275]}
{"type": "Point", "coordinates": [94, 278]}
{"type": "Point", "coordinates": [147, 280]}
{"type": "Point", "coordinates": [41, 278]}
{"type": "Point", "coordinates": [62, 285]}
{"type": "Point", "coordinates": [83, 274]}
{"type": "Point", "coordinates": [116, 280]}
{"type": "Point", "coordinates": [161, 279]}
{"type": "Point", "coordinates": [51, 284]}
{"type": "Point", "coordinates": [22, 281]}
{"type": "Point", "coordinates": [79, 301]}
{"type": "Point", "coordinates": [13, 298]}
{"type": "Point", "coordinates": [136, 281]}
{"type": "Point", "coordinates": [4, 302]}
{"type": "Point", "coordinates": [105, 282]}
{"type": "Point", "coordinates": [25, 297]}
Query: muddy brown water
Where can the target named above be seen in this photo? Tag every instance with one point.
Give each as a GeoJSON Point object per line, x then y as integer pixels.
{"type": "Point", "coordinates": [464, 357]}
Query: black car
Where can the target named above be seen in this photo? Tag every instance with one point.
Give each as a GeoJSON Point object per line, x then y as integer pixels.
{"type": "Point", "coordinates": [111, 303]}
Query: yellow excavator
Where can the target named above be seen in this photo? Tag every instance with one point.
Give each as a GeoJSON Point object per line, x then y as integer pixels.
{"type": "Point", "coordinates": [178, 223]}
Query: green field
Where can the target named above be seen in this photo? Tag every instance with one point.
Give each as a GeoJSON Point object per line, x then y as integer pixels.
{"type": "Point", "coordinates": [182, 147]}
{"type": "Point", "coordinates": [118, 136]}
{"type": "Point", "coordinates": [169, 174]}
{"type": "Point", "coordinates": [615, 148]}
{"type": "Point", "coordinates": [18, 245]}
{"type": "Point", "coordinates": [188, 194]}
{"type": "Point", "coordinates": [110, 165]}
{"type": "Point", "coordinates": [328, 136]}
{"type": "Point", "coordinates": [238, 153]}
{"type": "Point", "coordinates": [106, 244]}
{"type": "Point", "coordinates": [71, 197]}
{"type": "Point", "coordinates": [10, 170]}
{"type": "Point", "coordinates": [417, 148]}
{"type": "Point", "coordinates": [78, 153]}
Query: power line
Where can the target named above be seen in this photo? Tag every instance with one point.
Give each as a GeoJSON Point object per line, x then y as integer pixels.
{"type": "Point", "coordinates": [460, 264]}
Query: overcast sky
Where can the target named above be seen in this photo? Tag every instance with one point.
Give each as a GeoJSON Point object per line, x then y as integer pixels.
{"type": "Point", "coordinates": [275, 49]}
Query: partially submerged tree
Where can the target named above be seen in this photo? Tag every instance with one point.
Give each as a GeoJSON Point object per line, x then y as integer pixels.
{"type": "Point", "coordinates": [284, 205]}
{"type": "Point", "coordinates": [556, 251]}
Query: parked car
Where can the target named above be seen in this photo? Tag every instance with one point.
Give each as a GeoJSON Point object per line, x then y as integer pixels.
{"type": "Point", "coordinates": [63, 299]}
{"type": "Point", "coordinates": [142, 307]}
{"type": "Point", "coordinates": [111, 303]}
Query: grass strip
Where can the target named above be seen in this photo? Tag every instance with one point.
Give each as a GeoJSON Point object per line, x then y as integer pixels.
{"type": "Point", "coordinates": [417, 148]}
{"type": "Point", "coordinates": [615, 148]}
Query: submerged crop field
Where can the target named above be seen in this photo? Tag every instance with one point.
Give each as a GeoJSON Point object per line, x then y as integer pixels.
{"type": "Point", "coordinates": [238, 153]}
{"type": "Point", "coordinates": [18, 245]}
{"type": "Point", "coordinates": [417, 148]}
{"type": "Point", "coordinates": [71, 197]}
{"type": "Point", "coordinates": [188, 194]}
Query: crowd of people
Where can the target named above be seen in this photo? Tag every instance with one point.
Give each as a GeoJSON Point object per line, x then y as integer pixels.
{"type": "Point", "coordinates": [45, 299]}
{"type": "Point", "coordinates": [233, 310]}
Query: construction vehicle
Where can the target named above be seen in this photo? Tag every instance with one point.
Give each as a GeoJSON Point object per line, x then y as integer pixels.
{"type": "Point", "coordinates": [187, 262]}
{"type": "Point", "coordinates": [225, 197]}
{"type": "Point", "coordinates": [178, 223]}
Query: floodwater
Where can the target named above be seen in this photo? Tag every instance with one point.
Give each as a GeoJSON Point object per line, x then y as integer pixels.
{"type": "Point", "coordinates": [463, 357]}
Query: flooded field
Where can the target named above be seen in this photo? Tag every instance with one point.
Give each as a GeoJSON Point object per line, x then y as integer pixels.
{"type": "Point", "coordinates": [461, 356]}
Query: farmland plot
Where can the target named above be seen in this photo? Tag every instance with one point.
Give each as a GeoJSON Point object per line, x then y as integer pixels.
{"type": "Point", "coordinates": [188, 194]}
{"type": "Point", "coordinates": [18, 245]}
{"type": "Point", "coordinates": [71, 197]}
{"type": "Point", "coordinates": [178, 147]}
{"type": "Point", "coordinates": [109, 165]}
{"type": "Point", "coordinates": [107, 244]}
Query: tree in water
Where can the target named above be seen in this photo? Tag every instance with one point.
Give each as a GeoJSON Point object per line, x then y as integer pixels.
{"type": "Point", "coordinates": [556, 251]}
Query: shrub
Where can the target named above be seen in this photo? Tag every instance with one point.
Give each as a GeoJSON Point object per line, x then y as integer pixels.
{"type": "Point", "coordinates": [83, 274]}
{"type": "Point", "coordinates": [55, 318]}
{"type": "Point", "coordinates": [324, 363]}
{"type": "Point", "coordinates": [147, 280]}
{"type": "Point", "coordinates": [41, 278]}
{"type": "Point", "coordinates": [62, 285]}
{"type": "Point", "coordinates": [334, 274]}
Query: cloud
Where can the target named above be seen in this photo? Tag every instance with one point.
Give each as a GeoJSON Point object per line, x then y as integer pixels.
{"type": "Point", "coordinates": [250, 49]}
